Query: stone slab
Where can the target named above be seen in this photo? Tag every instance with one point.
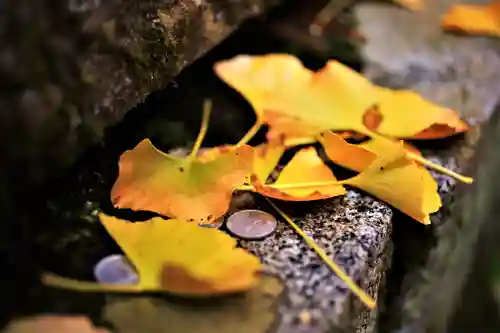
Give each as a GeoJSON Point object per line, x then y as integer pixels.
{"type": "Point", "coordinates": [406, 49]}
{"type": "Point", "coordinates": [409, 50]}
{"type": "Point", "coordinates": [355, 232]}
{"type": "Point", "coordinates": [71, 69]}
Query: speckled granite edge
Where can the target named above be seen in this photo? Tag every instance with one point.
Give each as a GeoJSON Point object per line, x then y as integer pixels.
{"type": "Point", "coordinates": [377, 273]}
{"type": "Point", "coordinates": [355, 230]}
{"type": "Point", "coordinates": [409, 50]}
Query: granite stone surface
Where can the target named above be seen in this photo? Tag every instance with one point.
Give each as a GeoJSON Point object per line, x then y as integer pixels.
{"type": "Point", "coordinates": [409, 50]}
{"type": "Point", "coordinates": [355, 231]}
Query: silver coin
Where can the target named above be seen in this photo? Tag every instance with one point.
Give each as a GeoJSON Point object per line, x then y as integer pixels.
{"type": "Point", "coordinates": [251, 224]}
{"type": "Point", "coordinates": [214, 224]}
{"type": "Point", "coordinates": [115, 269]}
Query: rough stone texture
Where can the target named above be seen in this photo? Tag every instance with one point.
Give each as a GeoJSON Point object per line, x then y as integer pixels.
{"type": "Point", "coordinates": [409, 50]}
{"type": "Point", "coordinates": [72, 68]}
{"type": "Point", "coordinates": [355, 232]}
{"type": "Point", "coordinates": [455, 291]}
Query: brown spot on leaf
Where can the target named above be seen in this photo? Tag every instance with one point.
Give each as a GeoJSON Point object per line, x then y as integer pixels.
{"type": "Point", "coordinates": [372, 118]}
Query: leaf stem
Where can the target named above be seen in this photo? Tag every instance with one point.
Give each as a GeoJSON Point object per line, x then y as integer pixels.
{"type": "Point", "coordinates": [250, 134]}
{"type": "Point", "coordinates": [360, 293]}
{"type": "Point", "coordinates": [73, 284]}
{"type": "Point", "coordinates": [437, 167]}
{"type": "Point", "coordinates": [207, 108]}
{"type": "Point", "coordinates": [294, 186]}
{"type": "Point", "coordinates": [423, 161]}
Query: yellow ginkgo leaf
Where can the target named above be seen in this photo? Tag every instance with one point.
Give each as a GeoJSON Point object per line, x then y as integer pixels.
{"type": "Point", "coordinates": [299, 104]}
{"type": "Point", "coordinates": [305, 166]}
{"type": "Point", "coordinates": [257, 78]}
{"type": "Point", "coordinates": [177, 257]}
{"type": "Point", "coordinates": [405, 114]}
{"type": "Point", "coordinates": [266, 158]}
{"type": "Point", "coordinates": [473, 19]}
{"type": "Point", "coordinates": [181, 188]}
{"type": "Point", "coordinates": [183, 258]}
{"type": "Point", "coordinates": [387, 173]}
{"type": "Point", "coordinates": [293, 100]}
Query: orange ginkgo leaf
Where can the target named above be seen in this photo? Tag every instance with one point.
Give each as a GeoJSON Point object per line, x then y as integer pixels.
{"type": "Point", "coordinates": [415, 5]}
{"type": "Point", "coordinates": [473, 19]}
{"type": "Point", "coordinates": [265, 158]}
{"type": "Point", "coordinates": [296, 102]}
{"type": "Point", "coordinates": [305, 166]}
{"type": "Point", "coordinates": [405, 114]}
{"type": "Point", "coordinates": [387, 173]}
{"type": "Point", "coordinates": [362, 161]}
{"type": "Point", "coordinates": [177, 257]}
{"type": "Point", "coordinates": [194, 188]}
{"type": "Point", "coordinates": [187, 189]}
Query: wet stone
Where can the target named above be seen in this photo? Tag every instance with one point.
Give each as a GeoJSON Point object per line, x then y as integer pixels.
{"type": "Point", "coordinates": [355, 231]}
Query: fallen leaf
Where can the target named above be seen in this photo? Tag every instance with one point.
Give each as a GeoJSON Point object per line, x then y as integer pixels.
{"type": "Point", "coordinates": [412, 149]}
{"type": "Point", "coordinates": [212, 153]}
{"type": "Point", "coordinates": [362, 295]}
{"type": "Point", "coordinates": [266, 158]}
{"type": "Point", "coordinates": [183, 258]}
{"type": "Point", "coordinates": [414, 5]}
{"type": "Point", "coordinates": [405, 114]}
{"type": "Point", "coordinates": [299, 103]}
{"type": "Point", "coordinates": [252, 312]}
{"type": "Point", "coordinates": [473, 19]}
{"type": "Point", "coordinates": [296, 102]}
{"type": "Point", "coordinates": [176, 257]}
{"type": "Point", "coordinates": [305, 166]}
{"type": "Point", "coordinates": [198, 189]}
{"type": "Point", "coordinates": [387, 173]}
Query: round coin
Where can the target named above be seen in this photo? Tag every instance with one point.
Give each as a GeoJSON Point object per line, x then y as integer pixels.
{"type": "Point", "coordinates": [215, 224]}
{"type": "Point", "coordinates": [115, 269]}
{"type": "Point", "coordinates": [251, 224]}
